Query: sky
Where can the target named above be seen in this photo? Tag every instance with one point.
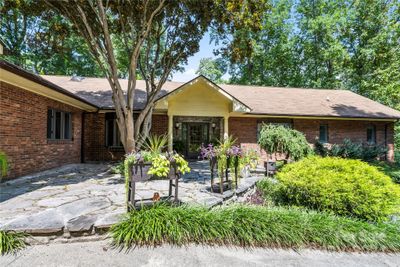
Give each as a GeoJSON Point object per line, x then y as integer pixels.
{"type": "Point", "coordinates": [206, 50]}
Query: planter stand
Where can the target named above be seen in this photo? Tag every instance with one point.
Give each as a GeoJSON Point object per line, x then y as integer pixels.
{"type": "Point", "coordinates": [270, 167]}
{"type": "Point", "coordinates": [138, 173]}
{"type": "Point", "coordinates": [226, 183]}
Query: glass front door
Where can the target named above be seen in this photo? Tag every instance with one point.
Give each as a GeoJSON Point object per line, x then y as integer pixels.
{"type": "Point", "coordinates": [197, 134]}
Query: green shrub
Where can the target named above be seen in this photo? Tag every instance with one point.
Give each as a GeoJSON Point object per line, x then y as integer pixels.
{"type": "Point", "coordinates": [351, 150]}
{"type": "Point", "coordinates": [284, 140]}
{"type": "Point", "coordinates": [397, 157]}
{"type": "Point", "coordinates": [11, 242]}
{"type": "Point", "coordinates": [251, 226]}
{"type": "Point", "coordinates": [391, 170]}
{"type": "Point", "coordinates": [345, 187]}
{"type": "Point", "coordinates": [3, 164]}
{"type": "Point", "coordinates": [269, 189]}
{"type": "Point", "coordinates": [118, 168]}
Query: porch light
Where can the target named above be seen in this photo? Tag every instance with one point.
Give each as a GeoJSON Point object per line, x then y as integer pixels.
{"type": "Point", "coordinates": [177, 125]}
{"type": "Point", "coordinates": [213, 125]}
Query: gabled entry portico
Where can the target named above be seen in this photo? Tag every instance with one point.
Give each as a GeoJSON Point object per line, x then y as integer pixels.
{"type": "Point", "coordinates": [198, 113]}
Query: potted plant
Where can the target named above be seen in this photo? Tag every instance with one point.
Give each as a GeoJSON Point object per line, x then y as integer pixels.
{"type": "Point", "coordinates": [153, 163]}
{"type": "Point", "coordinates": [209, 153]}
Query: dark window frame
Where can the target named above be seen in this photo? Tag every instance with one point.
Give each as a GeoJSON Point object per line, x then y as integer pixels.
{"type": "Point", "coordinates": [65, 133]}
{"type": "Point", "coordinates": [116, 137]}
{"type": "Point", "coordinates": [373, 134]}
{"type": "Point", "coordinates": [326, 137]}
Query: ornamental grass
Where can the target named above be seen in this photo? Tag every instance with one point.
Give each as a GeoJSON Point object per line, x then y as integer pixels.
{"type": "Point", "coordinates": [252, 226]}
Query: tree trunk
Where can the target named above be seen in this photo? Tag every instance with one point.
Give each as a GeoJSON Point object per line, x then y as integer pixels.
{"type": "Point", "coordinates": [129, 145]}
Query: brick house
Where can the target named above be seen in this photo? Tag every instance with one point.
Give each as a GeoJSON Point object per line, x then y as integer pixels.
{"type": "Point", "coordinates": [48, 121]}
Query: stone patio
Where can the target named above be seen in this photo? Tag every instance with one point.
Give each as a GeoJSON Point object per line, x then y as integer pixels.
{"type": "Point", "coordinates": [86, 198]}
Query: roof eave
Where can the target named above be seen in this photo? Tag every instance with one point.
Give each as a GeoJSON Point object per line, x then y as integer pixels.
{"type": "Point", "coordinates": [11, 68]}
{"type": "Point", "coordinates": [322, 116]}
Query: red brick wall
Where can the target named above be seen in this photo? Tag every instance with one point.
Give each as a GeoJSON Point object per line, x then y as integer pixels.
{"type": "Point", "coordinates": [94, 137]}
{"type": "Point", "coordinates": [23, 132]}
{"type": "Point", "coordinates": [245, 129]}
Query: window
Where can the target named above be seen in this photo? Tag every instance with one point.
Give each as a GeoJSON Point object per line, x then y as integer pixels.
{"type": "Point", "coordinates": [59, 125]}
{"type": "Point", "coordinates": [371, 134]}
{"type": "Point", "coordinates": [113, 138]}
{"type": "Point", "coordinates": [323, 133]}
{"type": "Point", "coordinates": [260, 124]}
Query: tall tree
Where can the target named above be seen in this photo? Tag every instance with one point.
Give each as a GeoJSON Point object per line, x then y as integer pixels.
{"type": "Point", "coordinates": [213, 69]}
{"type": "Point", "coordinates": [40, 40]}
{"type": "Point", "coordinates": [275, 58]}
{"type": "Point", "coordinates": [157, 36]}
{"type": "Point", "coordinates": [322, 53]}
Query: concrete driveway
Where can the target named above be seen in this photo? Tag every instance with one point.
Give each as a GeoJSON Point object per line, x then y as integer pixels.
{"type": "Point", "coordinates": [100, 254]}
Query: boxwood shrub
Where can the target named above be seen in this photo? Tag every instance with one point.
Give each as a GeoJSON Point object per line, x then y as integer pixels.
{"type": "Point", "coordinates": [342, 186]}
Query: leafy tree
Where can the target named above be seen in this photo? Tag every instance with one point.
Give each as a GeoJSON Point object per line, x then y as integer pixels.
{"type": "Point", "coordinates": [157, 36]}
{"type": "Point", "coordinates": [41, 40]}
{"type": "Point", "coordinates": [322, 54]}
{"type": "Point", "coordinates": [213, 69]}
{"type": "Point", "coordinates": [328, 44]}
{"type": "Point", "coordinates": [274, 58]}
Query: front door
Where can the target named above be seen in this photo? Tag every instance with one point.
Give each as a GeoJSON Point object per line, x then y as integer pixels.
{"type": "Point", "coordinates": [197, 135]}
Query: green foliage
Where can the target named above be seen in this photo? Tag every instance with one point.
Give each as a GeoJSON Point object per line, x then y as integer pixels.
{"type": "Point", "coordinates": [118, 168]}
{"type": "Point", "coordinates": [38, 39]}
{"type": "Point", "coordinates": [391, 170]}
{"type": "Point", "coordinates": [222, 155]}
{"type": "Point", "coordinates": [249, 158]}
{"type": "Point", "coordinates": [213, 69]}
{"type": "Point", "coordinates": [269, 189]}
{"type": "Point", "coordinates": [343, 186]}
{"type": "Point", "coordinates": [11, 242]}
{"type": "Point", "coordinates": [352, 150]}
{"type": "Point", "coordinates": [280, 139]}
{"type": "Point", "coordinates": [155, 143]}
{"type": "Point", "coordinates": [160, 166]}
{"type": "Point", "coordinates": [327, 44]}
{"type": "Point", "coordinates": [251, 226]}
{"type": "Point", "coordinates": [181, 164]}
{"type": "Point", "coordinates": [3, 164]}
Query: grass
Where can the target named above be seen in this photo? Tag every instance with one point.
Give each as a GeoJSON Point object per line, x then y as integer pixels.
{"type": "Point", "coordinates": [11, 242]}
{"type": "Point", "coordinates": [252, 226]}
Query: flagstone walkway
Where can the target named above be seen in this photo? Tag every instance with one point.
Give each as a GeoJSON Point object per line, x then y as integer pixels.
{"type": "Point", "coordinates": [81, 199]}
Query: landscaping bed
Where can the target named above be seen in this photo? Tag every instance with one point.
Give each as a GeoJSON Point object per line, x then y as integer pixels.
{"type": "Point", "coordinates": [252, 226]}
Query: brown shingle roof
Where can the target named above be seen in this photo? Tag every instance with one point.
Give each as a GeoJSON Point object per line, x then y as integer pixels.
{"type": "Point", "coordinates": [309, 102]}
{"type": "Point", "coordinates": [38, 79]}
{"type": "Point", "coordinates": [98, 91]}
{"type": "Point", "coordinates": [272, 101]}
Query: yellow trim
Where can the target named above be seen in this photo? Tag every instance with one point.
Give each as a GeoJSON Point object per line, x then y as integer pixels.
{"type": "Point", "coordinates": [309, 117]}
{"type": "Point", "coordinates": [21, 82]}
